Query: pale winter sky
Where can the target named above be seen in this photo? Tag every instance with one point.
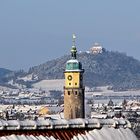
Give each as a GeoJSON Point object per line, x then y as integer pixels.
{"type": "Point", "coordinates": [35, 31]}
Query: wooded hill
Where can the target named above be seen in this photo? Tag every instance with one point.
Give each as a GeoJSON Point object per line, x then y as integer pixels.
{"type": "Point", "coordinates": [113, 69]}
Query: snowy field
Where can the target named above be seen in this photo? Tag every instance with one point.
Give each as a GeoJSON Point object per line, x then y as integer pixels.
{"type": "Point", "coordinates": [57, 84]}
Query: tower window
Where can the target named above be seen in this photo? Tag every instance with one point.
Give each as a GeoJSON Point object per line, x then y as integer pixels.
{"type": "Point", "coordinates": [68, 92]}
{"type": "Point", "coordinates": [75, 83]}
{"type": "Point", "coordinates": [69, 83]}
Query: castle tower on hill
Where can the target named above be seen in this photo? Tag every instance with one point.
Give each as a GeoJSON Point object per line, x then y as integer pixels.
{"type": "Point", "coordinates": [74, 89]}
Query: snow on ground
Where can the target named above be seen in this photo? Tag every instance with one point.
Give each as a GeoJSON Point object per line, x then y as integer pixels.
{"type": "Point", "coordinates": [56, 84]}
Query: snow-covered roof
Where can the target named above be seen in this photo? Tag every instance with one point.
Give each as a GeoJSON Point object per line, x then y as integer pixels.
{"type": "Point", "coordinates": [62, 123]}
{"type": "Point", "coordinates": [73, 61]}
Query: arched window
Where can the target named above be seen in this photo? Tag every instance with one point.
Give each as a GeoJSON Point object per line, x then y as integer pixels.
{"type": "Point", "coordinates": [68, 92]}
{"type": "Point", "coordinates": [76, 92]}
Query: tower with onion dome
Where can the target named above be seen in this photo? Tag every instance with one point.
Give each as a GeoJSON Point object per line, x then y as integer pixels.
{"type": "Point", "coordinates": [74, 89]}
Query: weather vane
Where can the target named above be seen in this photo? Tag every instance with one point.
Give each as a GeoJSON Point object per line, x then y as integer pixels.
{"type": "Point", "coordinates": [73, 39]}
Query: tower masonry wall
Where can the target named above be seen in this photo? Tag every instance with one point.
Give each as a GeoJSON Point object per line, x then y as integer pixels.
{"type": "Point", "coordinates": [74, 103]}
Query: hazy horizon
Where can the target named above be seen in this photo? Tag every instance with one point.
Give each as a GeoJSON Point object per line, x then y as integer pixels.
{"type": "Point", "coordinates": [33, 32]}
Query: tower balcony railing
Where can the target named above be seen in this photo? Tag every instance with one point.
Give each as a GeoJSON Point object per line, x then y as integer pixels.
{"type": "Point", "coordinates": [83, 87]}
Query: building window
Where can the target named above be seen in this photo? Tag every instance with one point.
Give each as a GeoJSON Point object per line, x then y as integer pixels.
{"type": "Point", "coordinates": [69, 83]}
{"type": "Point", "coordinates": [75, 84]}
{"type": "Point", "coordinates": [68, 92]}
{"type": "Point", "coordinates": [76, 93]}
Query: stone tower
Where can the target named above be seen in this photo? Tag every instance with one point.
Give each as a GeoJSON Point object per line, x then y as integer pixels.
{"type": "Point", "coordinates": [74, 89]}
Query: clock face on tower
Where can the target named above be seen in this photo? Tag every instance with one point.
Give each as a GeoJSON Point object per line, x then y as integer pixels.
{"type": "Point", "coordinates": [69, 77]}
